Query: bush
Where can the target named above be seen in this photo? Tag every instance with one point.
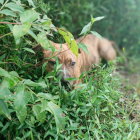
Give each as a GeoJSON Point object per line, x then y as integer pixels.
{"type": "Point", "coordinates": [34, 104]}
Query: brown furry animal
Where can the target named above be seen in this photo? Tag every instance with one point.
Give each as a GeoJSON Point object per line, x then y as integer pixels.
{"type": "Point", "coordinates": [73, 66]}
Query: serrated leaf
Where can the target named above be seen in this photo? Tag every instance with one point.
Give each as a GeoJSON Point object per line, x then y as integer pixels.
{"type": "Point", "coordinates": [20, 103]}
{"type": "Point", "coordinates": [14, 7]}
{"type": "Point", "coordinates": [29, 50]}
{"type": "Point", "coordinates": [28, 16]}
{"type": "Point", "coordinates": [8, 12]}
{"type": "Point", "coordinates": [20, 30]}
{"type": "Point", "coordinates": [40, 116]}
{"type": "Point", "coordinates": [68, 37]}
{"type": "Point", "coordinates": [84, 47]}
{"type": "Point", "coordinates": [58, 115]}
{"type": "Point", "coordinates": [4, 109]}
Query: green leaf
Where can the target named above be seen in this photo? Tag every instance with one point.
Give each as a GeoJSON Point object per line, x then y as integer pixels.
{"type": "Point", "coordinates": [58, 115]}
{"type": "Point", "coordinates": [1, 1]}
{"type": "Point", "coordinates": [69, 40]}
{"type": "Point", "coordinates": [5, 93]}
{"type": "Point", "coordinates": [8, 12]}
{"type": "Point", "coordinates": [31, 3]}
{"type": "Point", "coordinates": [47, 96]}
{"type": "Point", "coordinates": [43, 41]}
{"type": "Point", "coordinates": [96, 34]}
{"type": "Point", "coordinates": [14, 7]}
{"type": "Point", "coordinates": [20, 103]}
{"type": "Point", "coordinates": [4, 109]}
{"type": "Point", "coordinates": [29, 16]}
{"type": "Point", "coordinates": [99, 18]}
{"type": "Point", "coordinates": [20, 30]}
{"type": "Point", "coordinates": [40, 116]}
{"type": "Point", "coordinates": [4, 73]}
{"type": "Point", "coordinates": [29, 50]}
{"type": "Point", "coordinates": [34, 84]}
{"type": "Point", "coordinates": [86, 29]}
{"type": "Point", "coordinates": [84, 47]}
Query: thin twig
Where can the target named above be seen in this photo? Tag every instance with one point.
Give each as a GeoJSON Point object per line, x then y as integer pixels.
{"type": "Point", "coordinates": [11, 23]}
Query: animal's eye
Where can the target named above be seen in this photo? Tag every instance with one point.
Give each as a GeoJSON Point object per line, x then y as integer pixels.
{"type": "Point", "coordinates": [52, 62]}
{"type": "Point", "coordinates": [73, 63]}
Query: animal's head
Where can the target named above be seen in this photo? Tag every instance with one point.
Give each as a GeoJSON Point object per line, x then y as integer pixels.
{"type": "Point", "coordinates": [70, 67]}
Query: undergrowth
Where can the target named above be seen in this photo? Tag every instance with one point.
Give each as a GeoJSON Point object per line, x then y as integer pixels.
{"type": "Point", "coordinates": [34, 104]}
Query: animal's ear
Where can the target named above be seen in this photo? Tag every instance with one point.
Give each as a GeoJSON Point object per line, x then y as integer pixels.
{"type": "Point", "coordinates": [79, 50]}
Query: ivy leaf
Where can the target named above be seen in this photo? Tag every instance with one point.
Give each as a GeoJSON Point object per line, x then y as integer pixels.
{"type": "Point", "coordinates": [28, 16]}
{"type": "Point", "coordinates": [14, 7]}
{"type": "Point", "coordinates": [69, 40]}
{"type": "Point", "coordinates": [20, 103]}
{"type": "Point", "coordinates": [8, 12]}
{"type": "Point", "coordinates": [4, 109]}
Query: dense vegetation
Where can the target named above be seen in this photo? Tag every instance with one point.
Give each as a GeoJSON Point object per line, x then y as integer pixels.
{"type": "Point", "coordinates": [34, 104]}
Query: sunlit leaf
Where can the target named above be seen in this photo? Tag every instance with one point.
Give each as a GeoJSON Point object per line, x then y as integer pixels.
{"type": "Point", "coordinates": [28, 16]}
{"type": "Point", "coordinates": [99, 18]}
{"type": "Point", "coordinates": [8, 12]}
{"type": "Point", "coordinates": [1, 1]}
{"type": "Point", "coordinates": [20, 30]}
{"type": "Point", "coordinates": [86, 29]}
{"type": "Point", "coordinates": [68, 37]}
{"type": "Point", "coordinates": [14, 7]}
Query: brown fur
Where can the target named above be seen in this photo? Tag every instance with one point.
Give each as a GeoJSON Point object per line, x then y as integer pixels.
{"type": "Point", "coordinates": [97, 48]}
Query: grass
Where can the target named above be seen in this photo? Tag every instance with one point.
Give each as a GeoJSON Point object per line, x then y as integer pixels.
{"type": "Point", "coordinates": [34, 104]}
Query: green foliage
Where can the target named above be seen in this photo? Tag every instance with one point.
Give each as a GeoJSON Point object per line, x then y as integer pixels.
{"type": "Point", "coordinates": [69, 40]}
{"type": "Point", "coordinates": [33, 103]}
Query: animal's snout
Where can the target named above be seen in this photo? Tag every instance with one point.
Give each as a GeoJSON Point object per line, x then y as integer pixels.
{"type": "Point", "coordinates": [65, 73]}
